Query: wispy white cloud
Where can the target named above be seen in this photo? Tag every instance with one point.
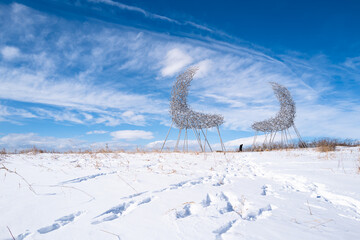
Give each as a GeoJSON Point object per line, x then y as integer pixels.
{"type": "Point", "coordinates": [353, 63]}
{"type": "Point", "coordinates": [132, 118]}
{"type": "Point", "coordinates": [132, 135]}
{"type": "Point", "coordinates": [29, 140]}
{"type": "Point", "coordinates": [97, 132]}
{"type": "Point", "coordinates": [9, 52]}
{"type": "Point", "coordinates": [60, 116]}
{"type": "Point", "coordinates": [151, 15]}
{"type": "Point", "coordinates": [135, 9]}
{"type": "Point", "coordinates": [175, 60]}
{"type": "Point", "coordinates": [12, 114]}
{"type": "Point", "coordinates": [19, 141]}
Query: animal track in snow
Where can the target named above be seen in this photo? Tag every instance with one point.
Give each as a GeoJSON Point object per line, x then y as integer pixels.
{"type": "Point", "coordinates": [22, 235]}
{"type": "Point", "coordinates": [223, 229]}
{"type": "Point", "coordinates": [207, 201]}
{"type": "Point", "coordinates": [120, 210]}
{"type": "Point", "coordinates": [81, 179]}
{"type": "Point", "coordinates": [227, 202]}
{"type": "Point", "coordinates": [189, 183]}
{"type": "Point", "coordinates": [185, 184]}
{"type": "Point", "coordinates": [185, 212]}
{"type": "Point", "coordinates": [59, 223]}
{"type": "Point", "coordinates": [321, 192]}
{"type": "Point", "coordinates": [268, 191]}
{"type": "Point", "coordinates": [262, 212]}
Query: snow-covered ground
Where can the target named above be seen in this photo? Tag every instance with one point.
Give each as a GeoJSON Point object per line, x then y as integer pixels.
{"type": "Point", "coordinates": [298, 194]}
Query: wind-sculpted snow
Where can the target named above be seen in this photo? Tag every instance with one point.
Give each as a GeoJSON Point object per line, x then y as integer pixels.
{"type": "Point", "coordinates": [300, 194]}
{"type": "Point", "coordinates": [81, 179]}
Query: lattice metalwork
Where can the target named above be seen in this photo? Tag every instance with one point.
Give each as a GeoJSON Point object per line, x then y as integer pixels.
{"type": "Point", "coordinates": [185, 118]}
{"type": "Point", "coordinates": [283, 120]}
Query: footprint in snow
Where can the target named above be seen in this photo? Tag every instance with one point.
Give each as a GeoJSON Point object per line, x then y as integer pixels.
{"type": "Point", "coordinates": [185, 212]}
{"type": "Point", "coordinates": [59, 223]}
{"type": "Point", "coordinates": [120, 210]}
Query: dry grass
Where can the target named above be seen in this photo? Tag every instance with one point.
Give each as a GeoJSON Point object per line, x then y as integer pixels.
{"type": "Point", "coordinates": [321, 145]}
{"type": "Point", "coordinates": [273, 147]}
{"type": "Point", "coordinates": [3, 151]}
{"type": "Point", "coordinates": [329, 145]}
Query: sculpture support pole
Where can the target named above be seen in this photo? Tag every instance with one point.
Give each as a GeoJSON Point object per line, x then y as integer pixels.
{"type": "Point", "coordinates": [187, 143]}
{"type": "Point", "coordinates": [197, 138]}
{"type": "Point", "coordinates": [166, 136]}
{"type": "Point", "coordinates": [264, 143]}
{"type": "Point", "coordinates": [286, 139]}
{"type": "Point", "coordinates": [206, 140]}
{"type": "Point", "coordinates": [290, 138]}
{"type": "Point", "coordinates": [270, 138]}
{"type": "Point", "coordinates": [253, 145]}
{"type": "Point", "coordinates": [298, 134]}
{"type": "Point", "coordinates": [273, 138]}
{"type": "Point", "coordinates": [178, 139]}
{"type": "Point", "coordinates": [222, 144]}
{"type": "Point", "coordinates": [184, 139]}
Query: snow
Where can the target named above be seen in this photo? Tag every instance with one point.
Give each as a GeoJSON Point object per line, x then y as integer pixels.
{"type": "Point", "coordinates": [297, 194]}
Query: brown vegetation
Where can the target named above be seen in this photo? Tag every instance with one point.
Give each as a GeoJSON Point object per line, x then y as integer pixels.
{"type": "Point", "coordinates": [329, 145]}
{"type": "Point", "coordinates": [322, 145]}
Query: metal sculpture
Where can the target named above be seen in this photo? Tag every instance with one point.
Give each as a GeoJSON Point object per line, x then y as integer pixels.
{"type": "Point", "coordinates": [282, 122]}
{"type": "Point", "coordinates": [185, 118]}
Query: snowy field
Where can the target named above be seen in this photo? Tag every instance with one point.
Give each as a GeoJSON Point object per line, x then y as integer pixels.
{"type": "Point", "coordinates": [298, 194]}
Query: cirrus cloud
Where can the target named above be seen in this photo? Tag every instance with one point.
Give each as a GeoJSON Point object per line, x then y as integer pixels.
{"type": "Point", "coordinates": [9, 52]}
{"type": "Point", "coordinates": [132, 135]}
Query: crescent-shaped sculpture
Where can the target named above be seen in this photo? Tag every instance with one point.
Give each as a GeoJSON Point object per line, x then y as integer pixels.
{"type": "Point", "coordinates": [185, 118]}
{"type": "Point", "coordinates": [283, 120]}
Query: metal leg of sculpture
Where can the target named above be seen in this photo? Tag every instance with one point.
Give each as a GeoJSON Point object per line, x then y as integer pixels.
{"type": "Point", "coordinates": [288, 143]}
{"type": "Point", "coordinates": [166, 136]}
{"type": "Point", "coordinates": [197, 138]}
{"type": "Point", "coordinates": [302, 143]}
{"type": "Point", "coordinates": [266, 136]}
{"type": "Point", "coordinates": [187, 142]}
{"type": "Point", "coordinates": [268, 140]}
{"type": "Point", "coordinates": [253, 145]}
{"type": "Point", "coordinates": [206, 140]}
{"type": "Point", "coordinates": [177, 141]}
{"type": "Point", "coordinates": [287, 139]}
{"type": "Point", "coordinates": [272, 141]}
{"type": "Point", "coordinates": [184, 140]}
{"type": "Point", "coordinates": [199, 135]}
{"type": "Point", "coordinates": [273, 138]}
{"type": "Point", "coordinates": [222, 144]}
{"type": "Point", "coordinates": [290, 138]}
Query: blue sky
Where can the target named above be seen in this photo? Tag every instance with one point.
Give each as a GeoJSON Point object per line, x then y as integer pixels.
{"type": "Point", "coordinates": [85, 73]}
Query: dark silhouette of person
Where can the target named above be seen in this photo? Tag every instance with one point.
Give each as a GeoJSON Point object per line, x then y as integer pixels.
{"type": "Point", "coordinates": [240, 147]}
